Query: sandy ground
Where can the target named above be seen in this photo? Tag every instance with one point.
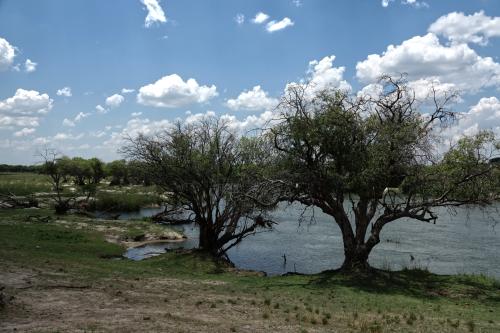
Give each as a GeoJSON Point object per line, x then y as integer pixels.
{"type": "Point", "coordinates": [52, 302]}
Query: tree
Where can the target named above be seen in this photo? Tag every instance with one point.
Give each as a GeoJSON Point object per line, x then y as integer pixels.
{"type": "Point", "coordinates": [377, 156]}
{"type": "Point", "coordinates": [56, 168]}
{"type": "Point", "coordinates": [97, 170]}
{"type": "Point", "coordinates": [118, 172]}
{"type": "Point", "coordinates": [210, 173]}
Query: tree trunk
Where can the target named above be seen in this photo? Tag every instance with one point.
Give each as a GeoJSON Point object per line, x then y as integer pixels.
{"type": "Point", "coordinates": [207, 239]}
{"type": "Point", "coordinates": [356, 258]}
{"type": "Point", "coordinates": [355, 250]}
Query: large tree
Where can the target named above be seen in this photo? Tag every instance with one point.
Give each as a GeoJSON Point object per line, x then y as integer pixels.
{"type": "Point", "coordinates": [211, 173]}
{"type": "Point", "coordinates": [379, 158]}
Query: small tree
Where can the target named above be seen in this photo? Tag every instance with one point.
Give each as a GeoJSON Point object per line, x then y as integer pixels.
{"type": "Point", "coordinates": [377, 157]}
{"type": "Point", "coordinates": [210, 173]}
{"type": "Point", "coordinates": [56, 168]}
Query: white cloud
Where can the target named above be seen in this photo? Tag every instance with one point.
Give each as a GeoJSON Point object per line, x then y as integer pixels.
{"type": "Point", "coordinates": [423, 57]}
{"type": "Point", "coordinates": [172, 91]}
{"type": "Point", "coordinates": [485, 115]}
{"type": "Point", "coordinates": [385, 3]}
{"type": "Point", "coordinates": [155, 13]}
{"type": "Point", "coordinates": [24, 132]}
{"type": "Point", "coordinates": [67, 136]}
{"type": "Point", "coordinates": [66, 91]}
{"type": "Point", "coordinates": [239, 19]}
{"type": "Point", "coordinates": [68, 123]}
{"type": "Point", "coordinates": [9, 121]}
{"type": "Point", "coordinates": [415, 3]}
{"type": "Point", "coordinates": [26, 102]}
{"type": "Point", "coordinates": [135, 127]}
{"type": "Point", "coordinates": [81, 116]}
{"type": "Point", "coordinates": [297, 3]}
{"type": "Point", "coordinates": [273, 25]}
{"type": "Point", "coordinates": [127, 91]}
{"type": "Point", "coordinates": [114, 101]}
{"type": "Point", "coordinates": [322, 75]}
{"type": "Point", "coordinates": [30, 66]}
{"type": "Point", "coordinates": [7, 54]}
{"type": "Point", "coordinates": [260, 18]}
{"type": "Point", "coordinates": [253, 100]}
{"type": "Point", "coordinates": [250, 123]}
{"type": "Point", "coordinates": [136, 114]}
{"type": "Point", "coordinates": [97, 134]}
{"type": "Point", "coordinates": [101, 109]}
{"type": "Point", "coordinates": [461, 28]}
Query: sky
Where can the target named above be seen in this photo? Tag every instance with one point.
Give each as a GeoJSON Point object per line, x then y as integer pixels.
{"type": "Point", "coordinates": [78, 75]}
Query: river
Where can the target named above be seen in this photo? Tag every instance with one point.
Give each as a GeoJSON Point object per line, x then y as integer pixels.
{"type": "Point", "coordinates": [463, 241]}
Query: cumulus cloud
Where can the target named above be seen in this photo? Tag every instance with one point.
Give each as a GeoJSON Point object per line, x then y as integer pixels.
{"type": "Point", "coordinates": [24, 108]}
{"type": "Point", "coordinates": [260, 18]}
{"type": "Point", "coordinates": [322, 75]}
{"type": "Point", "coordinates": [114, 101]}
{"type": "Point", "coordinates": [136, 114]}
{"type": "Point", "coordinates": [7, 54]}
{"type": "Point", "coordinates": [485, 115]}
{"type": "Point", "coordinates": [66, 92]}
{"type": "Point", "coordinates": [30, 66]}
{"type": "Point", "coordinates": [239, 19]}
{"type": "Point", "coordinates": [172, 91]}
{"type": "Point", "coordinates": [273, 25]}
{"type": "Point", "coordinates": [24, 132]}
{"type": "Point", "coordinates": [424, 57]}
{"type": "Point", "coordinates": [155, 13]}
{"type": "Point", "coordinates": [135, 127]}
{"type": "Point", "coordinates": [252, 100]}
{"type": "Point", "coordinates": [460, 28]}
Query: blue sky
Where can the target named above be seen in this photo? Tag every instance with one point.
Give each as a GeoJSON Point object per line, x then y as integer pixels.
{"type": "Point", "coordinates": [61, 61]}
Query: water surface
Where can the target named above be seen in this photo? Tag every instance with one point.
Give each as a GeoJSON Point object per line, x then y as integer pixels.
{"type": "Point", "coordinates": [463, 242]}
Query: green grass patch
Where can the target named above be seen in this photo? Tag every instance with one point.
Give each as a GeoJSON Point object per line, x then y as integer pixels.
{"type": "Point", "coordinates": [124, 202]}
{"type": "Point", "coordinates": [23, 184]}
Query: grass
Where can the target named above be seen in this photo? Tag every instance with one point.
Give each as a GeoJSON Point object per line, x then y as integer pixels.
{"type": "Point", "coordinates": [122, 201]}
{"type": "Point", "coordinates": [409, 300]}
{"type": "Point", "coordinates": [23, 184]}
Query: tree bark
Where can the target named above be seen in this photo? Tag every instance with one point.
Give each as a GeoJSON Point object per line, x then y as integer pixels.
{"type": "Point", "coordinates": [355, 250]}
{"type": "Point", "coordinates": [356, 258]}
{"type": "Point", "coordinates": [207, 239]}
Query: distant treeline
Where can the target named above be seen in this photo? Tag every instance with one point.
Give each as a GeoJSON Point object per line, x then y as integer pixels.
{"type": "Point", "coordinates": [88, 171]}
{"type": "Point", "coordinates": [19, 168]}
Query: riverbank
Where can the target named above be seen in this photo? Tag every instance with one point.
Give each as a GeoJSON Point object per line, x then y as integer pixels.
{"type": "Point", "coordinates": [62, 275]}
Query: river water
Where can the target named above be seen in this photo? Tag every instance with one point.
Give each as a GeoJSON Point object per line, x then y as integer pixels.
{"type": "Point", "coordinates": [463, 241]}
